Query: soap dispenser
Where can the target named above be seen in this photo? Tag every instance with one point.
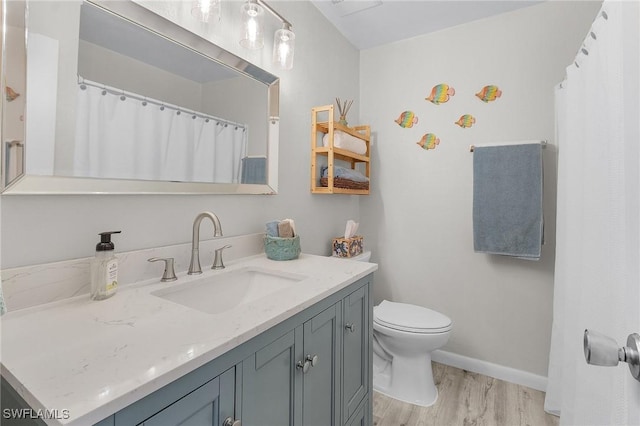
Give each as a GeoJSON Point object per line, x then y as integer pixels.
{"type": "Point", "coordinates": [104, 268]}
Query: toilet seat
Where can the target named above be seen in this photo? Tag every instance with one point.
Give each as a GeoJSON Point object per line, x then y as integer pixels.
{"type": "Point", "coordinates": [410, 318]}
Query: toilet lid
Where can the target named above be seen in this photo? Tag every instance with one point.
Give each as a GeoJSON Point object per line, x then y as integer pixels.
{"type": "Point", "coordinates": [412, 318]}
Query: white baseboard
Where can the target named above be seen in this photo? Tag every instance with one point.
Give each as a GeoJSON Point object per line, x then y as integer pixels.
{"type": "Point", "coordinates": [496, 371]}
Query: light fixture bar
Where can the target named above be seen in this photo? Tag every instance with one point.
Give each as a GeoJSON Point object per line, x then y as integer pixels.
{"type": "Point", "coordinates": [287, 24]}
{"type": "Point", "coordinates": [251, 35]}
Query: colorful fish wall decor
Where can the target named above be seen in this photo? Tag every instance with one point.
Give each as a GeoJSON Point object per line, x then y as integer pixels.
{"type": "Point", "coordinates": [441, 94]}
{"type": "Point", "coordinates": [489, 93]}
{"type": "Point", "coordinates": [11, 94]}
{"type": "Point", "coordinates": [466, 121]}
{"type": "Point", "coordinates": [407, 119]}
{"type": "Point", "coordinates": [429, 141]}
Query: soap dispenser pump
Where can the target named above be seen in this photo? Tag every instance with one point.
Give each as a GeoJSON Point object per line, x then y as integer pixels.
{"type": "Point", "coordinates": [104, 268]}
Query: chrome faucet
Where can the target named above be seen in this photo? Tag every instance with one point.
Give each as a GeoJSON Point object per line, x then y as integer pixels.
{"type": "Point", "coordinates": [194, 267]}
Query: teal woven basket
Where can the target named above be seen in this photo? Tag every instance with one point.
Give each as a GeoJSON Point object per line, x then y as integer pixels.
{"type": "Point", "coordinates": [277, 248]}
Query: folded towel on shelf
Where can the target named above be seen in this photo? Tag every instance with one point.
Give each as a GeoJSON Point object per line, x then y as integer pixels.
{"type": "Point", "coordinates": [346, 141]}
{"type": "Point", "coordinates": [507, 200]}
{"type": "Point", "coordinates": [344, 173]}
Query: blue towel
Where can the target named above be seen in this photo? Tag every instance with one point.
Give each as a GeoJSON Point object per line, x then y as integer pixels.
{"type": "Point", "coordinates": [507, 200]}
{"type": "Point", "coordinates": [272, 228]}
{"type": "Point", "coordinates": [343, 172]}
{"type": "Point", "coordinates": [254, 170]}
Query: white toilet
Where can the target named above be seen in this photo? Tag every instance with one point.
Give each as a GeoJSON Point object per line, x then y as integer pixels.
{"type": "Point", "coordinates": [404, 336]}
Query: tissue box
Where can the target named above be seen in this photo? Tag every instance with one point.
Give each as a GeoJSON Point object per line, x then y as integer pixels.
{"type": "Point", "coordinates": [348, 247]}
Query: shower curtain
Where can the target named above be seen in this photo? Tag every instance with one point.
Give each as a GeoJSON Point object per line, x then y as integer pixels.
{"type": "Point", "coordinates": [597, 275]}
{"type": "Point", "coordinates": [120, 136]}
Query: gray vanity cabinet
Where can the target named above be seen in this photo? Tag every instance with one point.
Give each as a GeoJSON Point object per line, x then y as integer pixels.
{"type": "Point", "coordinates": [292, 381]}
{"type": "Point", "coordinates": [209, 404]}
{"type": "Point", "coordinates": [321, 383]}
{"type": "Point", "coordinates": [313, 369]}
{"type": "Point", "coordinates": [205, 406]}
{"type": "Point", "coordinates": [268, 382]}
{"type": "Point", "coordinates": [356, 352]}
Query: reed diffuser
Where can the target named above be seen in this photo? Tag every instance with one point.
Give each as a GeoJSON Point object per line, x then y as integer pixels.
{"type": "Point", "coordinates": [343, 109]}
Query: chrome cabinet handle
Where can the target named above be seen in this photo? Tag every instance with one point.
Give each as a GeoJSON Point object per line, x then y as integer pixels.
{"type": "Point", "coordinates": [230, 422]}
{"type": "Point", "coordinates": [350, 326]}
{"type": "Point", "coordinates": [304, 366]}
{"type": "Point", "coordinates": [313, 359]}
{"type": "Point", "coordinates": [169, 271]}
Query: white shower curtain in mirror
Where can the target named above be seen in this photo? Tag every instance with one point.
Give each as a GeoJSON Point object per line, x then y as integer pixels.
{"type": "Point", "coordinates": [126, 139]}
{"type": "Point", "coordinates": [597, 275]}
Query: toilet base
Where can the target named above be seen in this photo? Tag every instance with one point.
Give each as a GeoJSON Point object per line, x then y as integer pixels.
{"type": "Point", "coordinates": [405, 379]}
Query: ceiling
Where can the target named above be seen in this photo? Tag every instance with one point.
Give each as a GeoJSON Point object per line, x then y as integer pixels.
{"type": "Point", "coordinates": [371, 23]}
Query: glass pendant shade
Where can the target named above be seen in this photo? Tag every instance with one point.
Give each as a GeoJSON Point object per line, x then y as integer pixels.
{"type": "Point", "coordinates": [283, 48]}
{"type": "Point", "coordinates": [206, 10]}
{"type": "Point", "coordinates": [252, 17]}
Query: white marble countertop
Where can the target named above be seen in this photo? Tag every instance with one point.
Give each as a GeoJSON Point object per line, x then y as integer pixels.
{"type": "Point", "coordinates": [92, 358]}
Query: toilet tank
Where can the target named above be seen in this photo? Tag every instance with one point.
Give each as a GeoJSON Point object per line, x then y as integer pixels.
{"type": "Point", "coordinates": [364, 257]}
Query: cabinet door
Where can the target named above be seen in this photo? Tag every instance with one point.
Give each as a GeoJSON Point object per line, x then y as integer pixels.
{"type": "Point", "coordinates": [198, 408]}
{"type": "Point", "coordinates": [206, 405]}
{"type": "Point", "coordinates": [355, 361]}
{"type": "Point", "coordinates": [321, 381]}
{"type": "Point", "coordinates": [360, 417]}
{"type": "Point", "coordinates": [269, 381]}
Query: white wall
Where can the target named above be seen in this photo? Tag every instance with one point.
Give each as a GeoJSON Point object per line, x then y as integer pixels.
{"type": "Point", "coordinates": [37, 229]}
{"type": "Point", "coordinates": [420, 209]}
{"type": "Point", "coordinates": [44, 18]}
{"type": "Point", "coordinates": [114, 69]}
{"type": "Point", "coordinates": [230, 99]}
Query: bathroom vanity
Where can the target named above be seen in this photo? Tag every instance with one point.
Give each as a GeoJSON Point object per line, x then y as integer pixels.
{"type": "Point", "coordinates": [296, 353]}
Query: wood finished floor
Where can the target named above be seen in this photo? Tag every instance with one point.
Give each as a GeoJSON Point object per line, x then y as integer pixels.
{"type": "Point", "coordinates": [467, 398]}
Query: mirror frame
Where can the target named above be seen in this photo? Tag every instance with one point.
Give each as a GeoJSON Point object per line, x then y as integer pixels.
{"type": "Point", "coordinates": [139, 15]}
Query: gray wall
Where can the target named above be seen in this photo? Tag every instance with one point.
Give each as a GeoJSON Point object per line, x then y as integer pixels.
{"type": "Point", "coordinates": [420, 207]}
{"type": "Point", "coordinates": [38, 229]}
{"type": "Point", "coordinates": [418, 218]}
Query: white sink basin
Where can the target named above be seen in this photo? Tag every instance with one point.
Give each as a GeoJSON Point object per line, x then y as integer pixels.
{"type": "Point", "coordinates": [227, 290]}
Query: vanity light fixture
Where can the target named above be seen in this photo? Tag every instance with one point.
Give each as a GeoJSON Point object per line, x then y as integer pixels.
{"type": "Point", "coordinates": [252, 37]}
{"type": "Point", "coordinates": [252, 15]}
{"type": "Point", "coordinates": [283, 47]}
{"type": "Point", "coordinates": [206, 10]}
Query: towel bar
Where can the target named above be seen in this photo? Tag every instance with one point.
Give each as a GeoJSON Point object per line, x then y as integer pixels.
{"type": "Point", "coordinates": [543, 143]}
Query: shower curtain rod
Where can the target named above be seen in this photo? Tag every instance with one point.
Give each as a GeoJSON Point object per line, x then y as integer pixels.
{"type": "Point", "coordinates": [124, 94]}
{"type": "Point", "coordinates": [543, 143]}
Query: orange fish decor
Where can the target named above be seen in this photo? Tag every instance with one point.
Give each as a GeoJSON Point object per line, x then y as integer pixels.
{"type": "Point", "coordinates": [11, 94]}
{"type": "Point", "coordinates": [407, 119]}
{"type": "Point", "coordinates": [489, 93]}
{"type": "Point", "coordinates": [429, 141]}
{"type": "Point", "coordinates": [441, 94]}
{"type": "Point", "coordinates": [466, 121]}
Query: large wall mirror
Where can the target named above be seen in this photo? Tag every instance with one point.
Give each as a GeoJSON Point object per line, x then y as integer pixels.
{"type": "Point", "coordinates": [109, 97]}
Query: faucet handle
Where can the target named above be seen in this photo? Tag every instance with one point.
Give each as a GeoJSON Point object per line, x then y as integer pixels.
{"type": "Point", "coordinates": [169, 271]}
{"type": "Point", "coordinates": [217, 261]}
